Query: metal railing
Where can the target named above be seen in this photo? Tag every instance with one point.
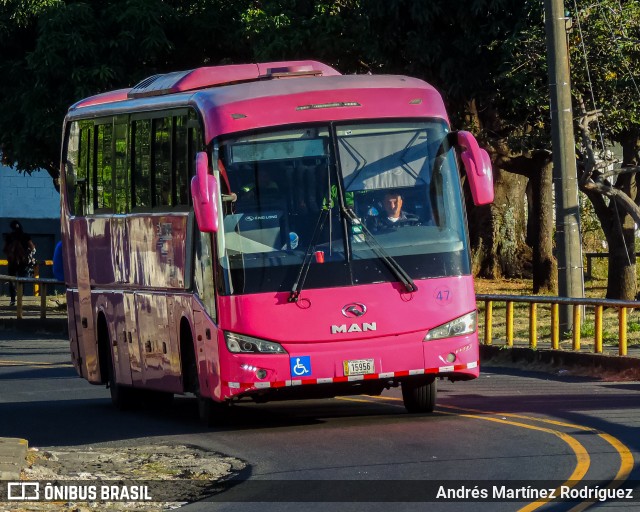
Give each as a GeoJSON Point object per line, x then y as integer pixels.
{"type": "Point", "coordinates": [36, 272]}
{"type": "Point", "coordinates": [489, 300]}
{"type": "Point", "coordinates": [578, 306]}
{"type": "Point", "coordinates": [595, 255]}
{"type": "Point", "coordinates": [42, 283]}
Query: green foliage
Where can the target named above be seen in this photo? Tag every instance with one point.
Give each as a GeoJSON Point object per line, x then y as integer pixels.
{"type": "Point", "coordinates": [326, 30]}
{"type": "Point", "coordinates": [587, 329]}
{"type": "Point", "coordinates": [633, 327]}
{"type": "Point", "coordinates": [487, 57]}
{"type": "Point", "coordinates": [56, 53]}
{"type": "Point", "coordinates": [605, 56]}
{"type": "Point", "coordinates": [592, 235]}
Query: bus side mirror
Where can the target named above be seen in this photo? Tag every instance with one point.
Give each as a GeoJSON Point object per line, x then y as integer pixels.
{"type": "Point", "coordinates": [204, 192]}
{"type": "Point", "coordinates": [478, 166]}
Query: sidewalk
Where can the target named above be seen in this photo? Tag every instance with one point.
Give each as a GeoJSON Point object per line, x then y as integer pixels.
{"type": "Point", "coordinates": [604, 366]}
{"type": "Point", "coordinates": [13, 457]}
{"type": "Point", "coordinates": [54, 323]}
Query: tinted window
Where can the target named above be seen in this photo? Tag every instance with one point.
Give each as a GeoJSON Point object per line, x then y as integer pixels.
{"type": "Point", "coordinates": [162, 162]}
{"type": "Point", "coordinates": [120, 161]}
{"type": "Point", "coordinates": [104, 160]}
{"type": "Point", "coordinates": [142, 163]}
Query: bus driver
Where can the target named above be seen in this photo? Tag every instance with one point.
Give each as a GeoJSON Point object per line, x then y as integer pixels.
{"type": "Point", "coordinates": [394, 216]}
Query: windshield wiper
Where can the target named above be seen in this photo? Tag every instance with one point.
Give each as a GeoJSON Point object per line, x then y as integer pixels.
{"type": "Point", "coordinates": [380, 251]}
{"type": "Point", "coordinates": [306, 261]}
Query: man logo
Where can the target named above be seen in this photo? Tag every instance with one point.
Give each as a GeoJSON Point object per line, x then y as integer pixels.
{"type": "Point", "coordinates": [337, 329]}
{"type": "Point", "coordinates": [354, 310]}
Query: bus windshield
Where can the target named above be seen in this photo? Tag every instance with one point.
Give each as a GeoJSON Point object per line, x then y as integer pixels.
{"type": "Point", "coordinates": [326, 199]}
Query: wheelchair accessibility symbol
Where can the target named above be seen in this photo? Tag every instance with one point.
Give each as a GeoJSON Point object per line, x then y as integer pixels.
{"type": "Point", "coordinates": [300, 366]}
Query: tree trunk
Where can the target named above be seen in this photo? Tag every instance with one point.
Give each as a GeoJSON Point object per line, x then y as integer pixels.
{"type": "Point", "coordinates": [545, 266]}
{"type": "Point", "coordinates": [621, 283]}
{"type": "Point", "coordinates": [498, 231]}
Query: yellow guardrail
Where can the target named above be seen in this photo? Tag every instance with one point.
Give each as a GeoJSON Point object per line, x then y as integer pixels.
{"type": "Point", "coordinates": [553, 304]}
{"type": "Point", "coordinates": [36, 272]}
{"type": "Point", "coordinates": [19, 282]}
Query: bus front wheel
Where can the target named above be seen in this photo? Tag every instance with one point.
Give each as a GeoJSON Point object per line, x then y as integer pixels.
{"type": "Point", "coordinates": [419, 396]}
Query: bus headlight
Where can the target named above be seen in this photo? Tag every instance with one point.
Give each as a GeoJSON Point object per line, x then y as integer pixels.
{"type": "Point", "coordinates": [466, 324]}
{"type": "Point", "coordinates": [241, 344]}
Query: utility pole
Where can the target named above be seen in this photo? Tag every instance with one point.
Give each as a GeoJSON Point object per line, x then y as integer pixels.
{"type": "Point", "coordinates": [565, 178]}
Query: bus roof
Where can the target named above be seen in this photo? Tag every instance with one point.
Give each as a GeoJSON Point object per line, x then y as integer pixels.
{"type": "Point", "coordinates": [249, 96]}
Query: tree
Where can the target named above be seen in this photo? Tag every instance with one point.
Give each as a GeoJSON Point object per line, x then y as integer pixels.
{"type": "Point", "coordinates": [62, 52]}
{"type": "Point", "coordinates": [604, 55]}
{"type": "Point", "coordinates": [56, 53]}
{"type": "Point", "coordinates": [462, 48]}
{"type": "Point", "coordinates": [487, 57]}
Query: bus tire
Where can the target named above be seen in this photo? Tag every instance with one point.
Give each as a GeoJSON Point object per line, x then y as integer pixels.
{"type": "Point", "coordinates": [419, 396]}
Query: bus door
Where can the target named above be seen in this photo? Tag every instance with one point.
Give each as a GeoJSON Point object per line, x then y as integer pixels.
{"type": "Point", "coordinates": [207, 357]}
{"type": "Point", "coordinates": [85, 324]}
{"type": "Point", "coordinates": [122, 303]}
{"type": "Point", "coordinates": [160, 361]}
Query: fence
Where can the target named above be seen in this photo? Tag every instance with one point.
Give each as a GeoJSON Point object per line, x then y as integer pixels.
{"type": "Point", "coordinates": [553, 303]}
{"type": "Point", "coordinates": [590, 256]}
{"type": "Point", "coordinates": [36, 273]}
{"type": "Point", "coordinates": [488, 300]}
{"type": "Point", "coordinates": [41, 283]}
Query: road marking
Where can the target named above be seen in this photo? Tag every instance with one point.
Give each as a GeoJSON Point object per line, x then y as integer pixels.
{"type": "Point", "coordinates": [582, 455]}
{"type": "Point", "coordinates": [13, 362]}
{"type": "Point", "coordinates": [350, 399]}
{"type": "Point", "coordinates": [626, 457]}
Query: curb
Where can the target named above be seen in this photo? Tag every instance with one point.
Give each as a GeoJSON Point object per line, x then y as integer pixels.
{"type": "Point", "coordinates": [13, 457]}
{"type": "Point", "coordinates": [630, 366]}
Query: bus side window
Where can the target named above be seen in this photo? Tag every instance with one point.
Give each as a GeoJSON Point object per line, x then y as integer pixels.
{"type": "Point", "coordinates": [79, 168]}
{"type": "Point", "coordinates": [121, 178]}
{"type": "Point", "coordinates": [141, 163]}
{"type": "Point", "coordinates": [73, 171]}
{"type": "Point", "coordinates": [104, 160]}
{"type": "Point", "coordinates": [162, 162]}
{"type": "Point", "coordinates": [181, 151]}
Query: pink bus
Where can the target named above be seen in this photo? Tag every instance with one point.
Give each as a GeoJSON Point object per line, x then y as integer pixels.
{"type": "Point", "coordinates": [269, 231]}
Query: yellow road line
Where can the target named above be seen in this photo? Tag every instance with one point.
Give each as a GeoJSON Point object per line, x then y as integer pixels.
{"type": "Point", "coordinates": [626, 457]}
{"type": "Point", "coordinates": [350, 399]}
{"type": "Point", "coordinates": [13, 362]}
{"type": "Point", "coordinates": [582, 456]}
{"type": "Point", "coordinates": [626, 466]}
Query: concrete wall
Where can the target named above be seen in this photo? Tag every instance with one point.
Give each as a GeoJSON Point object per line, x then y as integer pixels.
{"type": "Point", "coordinates": [34, 201]}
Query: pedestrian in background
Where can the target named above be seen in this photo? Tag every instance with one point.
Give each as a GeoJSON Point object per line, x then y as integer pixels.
{"type": "Point", "coordinates": [20, 251]}
{"type": "Point", "coordinates": [58, 264]}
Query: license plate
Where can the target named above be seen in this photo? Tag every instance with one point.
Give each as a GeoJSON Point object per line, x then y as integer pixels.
{"type": "Point", "coordinates": [359, 367]}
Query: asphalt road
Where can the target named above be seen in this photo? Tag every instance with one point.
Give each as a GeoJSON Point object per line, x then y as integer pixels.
{"type": "Point", "coordinates": [509, 427]}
